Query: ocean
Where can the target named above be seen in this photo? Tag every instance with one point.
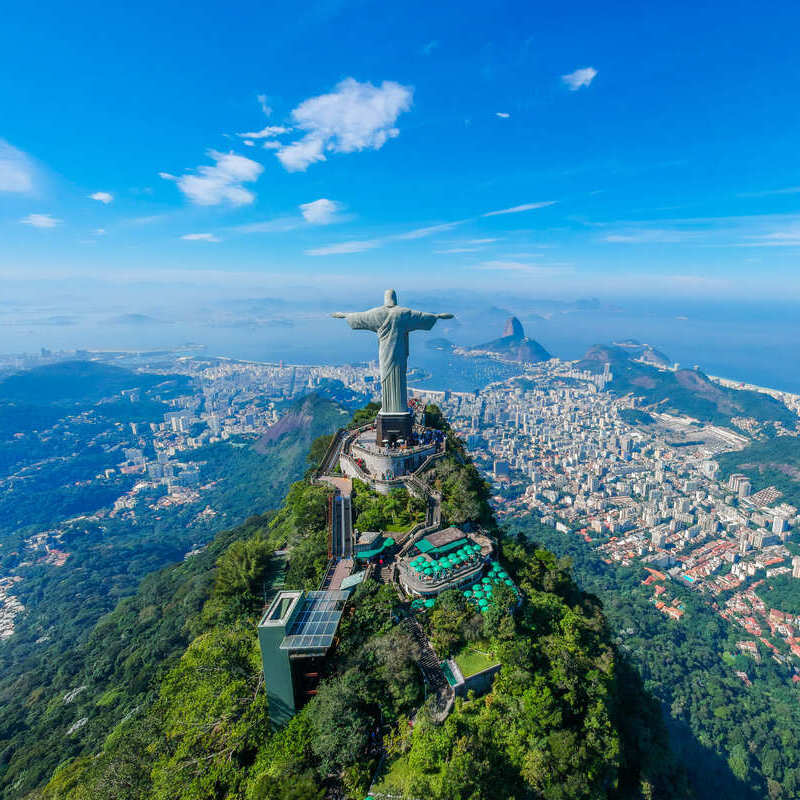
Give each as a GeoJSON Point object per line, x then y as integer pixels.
{"type": "Point", "coordinates": [754, 342]}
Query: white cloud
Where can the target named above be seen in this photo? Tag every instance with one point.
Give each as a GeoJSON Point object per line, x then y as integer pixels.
{"type": "Point", "coordinates": [248, 143]}
{"type": "Point", "coordinates": [272, 144]}
{"type": "Point", "coordinates": [265, 133]}
{"type": "Point", "coordinates": [418, 233]}
{"type": "Point", "coordinates": [480, 241]}
{"type": "Point", "coordinates": [262, 101]}
{"type": "Point", "coordinates": [521, 266]}
{"type": "Point", "coordinates": [297, 157]}
{"type": "Point", "coordinates": [428, 48]}
{"type": "Point", "coordinates": [200, 237]}
{"type": "Point", "coordinates": [320, 212]}
{"type": "Point", "coordinates": [503, 115]}
{"type": "Point", "coordinates": [580, 78]}
{"type": "Point", "coordinates": [279, 225]}
{"type": "Point", "coordinates": [40, 221]}
{"type": "Point", "coordinates": [517, 209]}
{"type": "Point", "coordinates": [786, 238]}
{"type": "Point", "coordinates": [345, 247]}
{"type": "Point", "coordinates": [771, 192]}
{"type": "Point", "coordinates": [355, 116]}
{"type": "Point", "coordinates": [16, 170]}
{"type": "Point", "coordinates": [102, 197]}
{"type": "Point", "coordinates": [221, 183]}
{"type": "Point", "coordinates": [359, 246]}
{"type": "Point", "coordinates": [457, 250]}
{"type": "Point", "coordinates": [649, 236]}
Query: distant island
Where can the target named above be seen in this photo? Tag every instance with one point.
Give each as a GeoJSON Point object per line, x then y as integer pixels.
{"type": "Point", "coordinates": [513, 345]}
{"type": "Point", "coordinates": [441, 344]}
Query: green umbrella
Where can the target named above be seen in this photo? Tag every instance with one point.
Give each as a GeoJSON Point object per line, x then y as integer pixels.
{"type": "Point", "coordinates": [388, 541]}
{"type": "Point", "coordinates": [467, 593]}
{"type": "Point", "coordinates": [428, 570]}
{"type": "Point", "coordinates": [476, 586]}
{"type": "Point", "coordinates": [486, 580]}
{"type": "Point", "coordinates": [429, 603]}
{"type": "Point", "coordinates": [483, 602]}
{"type": "Point", "coordinates": [477, 593]}
{"type": "Point", "coordinates": [508, 582]}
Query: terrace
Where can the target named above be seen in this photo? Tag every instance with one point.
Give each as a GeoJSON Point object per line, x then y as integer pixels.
{"type": "Point", "coordinates": [443, 560]}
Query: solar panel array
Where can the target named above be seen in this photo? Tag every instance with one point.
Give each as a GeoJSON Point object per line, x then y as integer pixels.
{"type": "Point", "coordinates": [316, 622]}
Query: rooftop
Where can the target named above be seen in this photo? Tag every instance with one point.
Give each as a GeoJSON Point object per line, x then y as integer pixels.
{"type": "Point", "coordinates": [315, 624]}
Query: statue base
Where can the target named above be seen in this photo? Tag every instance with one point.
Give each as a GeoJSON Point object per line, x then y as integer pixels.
{"type": "Point", "coordinates": [392, 427]}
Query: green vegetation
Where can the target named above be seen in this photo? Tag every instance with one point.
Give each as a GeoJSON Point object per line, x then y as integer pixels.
{"type": "Point", "coordinates": [552, 725]}
{"type": "Point", "coordinates": [63, 641]}
{"type": "Point", "coordinates": [735, 740]}
{"type": "Point", "coordinates": [395, 512]}
{"type": "Point", "coordinates": [781, 592]}
{"type": "Point", "coordinates": [771, 462]}
{"type": "Point", "coordinates": [685, 391]}
{"type": "Point", "coordinates": [176, 710]}
{"type": "Point", "coordinates": [82, 382]}
{"type": "Point", "coordinates": [633, 416]}
{"type": "Point", "coordinates": [363, 416]}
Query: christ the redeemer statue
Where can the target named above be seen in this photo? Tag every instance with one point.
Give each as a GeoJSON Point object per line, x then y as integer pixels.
{"type": "Point", "coordinates": [392, 323]}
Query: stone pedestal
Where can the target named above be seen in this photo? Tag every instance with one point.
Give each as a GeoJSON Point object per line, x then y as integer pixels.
{"type": "Point", "coordinates": [391, 427]}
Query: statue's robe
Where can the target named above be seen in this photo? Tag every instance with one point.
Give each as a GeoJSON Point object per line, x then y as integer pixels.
{"type": "Point", "coordinates": [392, 324]}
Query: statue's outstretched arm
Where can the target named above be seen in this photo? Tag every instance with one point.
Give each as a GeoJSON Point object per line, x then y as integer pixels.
{"type": "Point", "coordinates": [445, 316]}
{"type": "Point", "coordinates": [363, 320]}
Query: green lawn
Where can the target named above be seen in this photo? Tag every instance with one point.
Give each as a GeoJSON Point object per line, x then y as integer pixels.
{"type": "Point", "coordinates": [470, 661]}
{"type": "Point", "coordinates": [400, 527]}
{"type": "Point", "coordinates": [394, 776]}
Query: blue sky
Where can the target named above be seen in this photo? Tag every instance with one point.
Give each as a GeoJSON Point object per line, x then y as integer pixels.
{"type": "Point", "coordinates": [596, 149]}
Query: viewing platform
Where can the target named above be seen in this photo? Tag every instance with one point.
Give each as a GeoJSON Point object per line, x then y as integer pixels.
{"type": "Point", "coordinates": [387, 467]}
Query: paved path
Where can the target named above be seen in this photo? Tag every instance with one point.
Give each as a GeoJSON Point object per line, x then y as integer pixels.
{"type": "Point", "coordinates": [343, 569]}
{"type": "Point", "coordinates": [431, 671]}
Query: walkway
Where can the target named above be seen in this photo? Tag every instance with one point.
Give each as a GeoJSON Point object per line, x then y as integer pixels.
{"type": "Point", "coordinates": [342, 570]}
{"type": "Point", "coordinates": [431, 671]}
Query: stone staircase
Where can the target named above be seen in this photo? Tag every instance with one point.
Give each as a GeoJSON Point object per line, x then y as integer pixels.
{"type": "Point", "coordinates": [431, 671]}
{"type": "Point", "coordinates": [385, 574]}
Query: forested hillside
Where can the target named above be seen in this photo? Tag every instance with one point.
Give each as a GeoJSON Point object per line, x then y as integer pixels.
{"type": "Point", "coordinates": [773, 462]}
{"type": "Point", "coordinates": [684, 391]}
{"type": "Point", "coordinates": [735, 740]}
{"type": "Point", "coordinates": [66, 679]}
{"type": "Point", "coordinates": [566, 718]}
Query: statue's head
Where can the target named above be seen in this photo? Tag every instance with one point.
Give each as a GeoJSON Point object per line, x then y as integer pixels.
{"type": "Point", "coordinates": [390, 297]}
